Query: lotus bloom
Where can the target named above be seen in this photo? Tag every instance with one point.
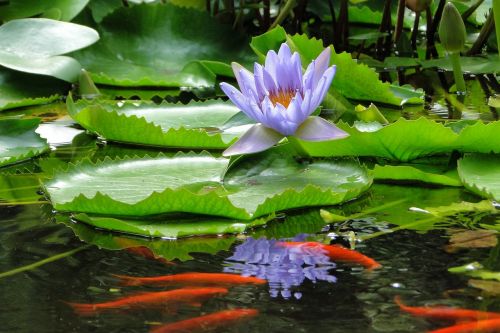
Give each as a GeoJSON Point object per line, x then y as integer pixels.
{"type": "Point", "coordinates": [281, 99]}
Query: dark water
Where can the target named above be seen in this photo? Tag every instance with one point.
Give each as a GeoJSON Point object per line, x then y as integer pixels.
{"type": "Point", "coordinates": [414, 266]}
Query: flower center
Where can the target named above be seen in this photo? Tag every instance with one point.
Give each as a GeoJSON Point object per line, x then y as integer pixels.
{"type": "Point", "coordinates": [284, 97]}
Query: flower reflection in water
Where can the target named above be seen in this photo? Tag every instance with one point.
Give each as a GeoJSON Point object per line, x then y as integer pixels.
{"type": "Point", "coordinates": [283, 267]}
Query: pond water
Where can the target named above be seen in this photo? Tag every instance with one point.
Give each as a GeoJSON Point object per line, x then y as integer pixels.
{"type": "Point", "coordinates": [311, 295]}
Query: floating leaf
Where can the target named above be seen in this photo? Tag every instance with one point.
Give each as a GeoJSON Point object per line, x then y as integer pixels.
{"type": "Point", "coordinates": [471, 239]}
{"type": "Point", "coordinates": [480, 173]}
{"type": "Point", "coordinates": [416, 173]}
{"type": "Point", "coordinates": [473, 65]}
{"type": "Point", "coordinates": [192, 183]}
{"type": "Point", "coordinates": [19, 89]}
{"type": "Point", "coordinates": [489, 287]}
{"type": "Point", "coordinates": [18, 140]}
{"type": "Point", "coordinates": [35, 46]}
{"type": "Point", "coordinates": [19, 188]}
{"type": "Point", "coordinates": [171, 227]}
{"type": "Point", "coordinates": [151, 45]}
{"type": "Point", "coordinates": [169, 249]}
{"type": "Point", "coordinates": [195, 125]}
{"type": "Point", "coordinates": [405, 140]}
{"type": "Point", "coordinates": [67, 10]}
{"type": "Point", "coordinates": [475, 270]}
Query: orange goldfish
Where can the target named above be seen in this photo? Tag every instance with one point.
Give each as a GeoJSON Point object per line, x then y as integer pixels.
{"type": "Point", "coordinates": [481, 326]}
{"type": "Point", "coordinates": [440, 312]}
{"type": "Point", "coordinates": [207, 322]}
{"type": "Point", "coordinates": [338, 253]}
{"type": "Point", "coordinates": [191, 279]}
{"type": "Point", "coordinates": [173, 298]}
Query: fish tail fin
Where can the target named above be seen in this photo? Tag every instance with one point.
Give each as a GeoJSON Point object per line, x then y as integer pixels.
{"type": "Point", "coordinates": [399, 302]}
{"type": "Point", "coordinates": [373, 265]}
{"type": "Point", "coordinates": [126, 280]}
{"type": "Point", "coordinates": [83, 309]}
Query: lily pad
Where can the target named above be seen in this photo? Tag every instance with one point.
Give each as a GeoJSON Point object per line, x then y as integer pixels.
{"type": "Point", "coordinates": [473, 65]}
{"type": "Point", "coordinates": [19, 89]}
{"type": "Point", "coordinates": [405, 140]}
{"type": "Point", "coordinates": [193, 183]}
{"type": "Point", "coordinates": [480, 174]}
{"type": "Point", "coordinates": [66, 10]}
{"type": "Point", "coordinates": [35, 46]}
{"type": "Point", "coordinates": [416, 173]}
{"type": "Point", "coordinates": [195, 125]}
{"type": "Point", "coordinates": [181, 249]}
{"type": "Point", "coordinates": [18, 140]}
{"type": "Point", "coordinates": [171, 228]}
{"type": "Point", "coordinates": [152, 45]}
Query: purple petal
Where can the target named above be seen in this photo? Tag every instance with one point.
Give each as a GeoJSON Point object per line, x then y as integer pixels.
{"type": "Point", "coordinates": [259, 81]}
{"type": "Point", "coordinates": [316, 68]}
{"type": "Point", "coordinates": [293, 112]}
{"type": "Point", "coordinates": [296, 69]}
{"type": "Point", "coordinates": [244, 77]}
{"type": "Point", "coordinates": [319, 129]}
{"type": "Point", "coordinates": [322, 88]}
{"type": "Point", "coordinates": [239, 100]}
{"type": "Point", "coordinates": [258, 138]}
{"type": "Point", "coordinates": [284, 53]}
{"type": "Point", "coordinates": [271, 62]}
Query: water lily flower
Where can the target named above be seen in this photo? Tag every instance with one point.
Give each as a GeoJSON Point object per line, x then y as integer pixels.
{"type": "Point", "coordinates": [281, 99]}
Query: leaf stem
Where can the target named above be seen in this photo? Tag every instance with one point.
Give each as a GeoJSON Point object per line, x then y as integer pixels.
{"type": "Point", "coordinates": [496, 13]}
{"type": "Point", "coordinates": [287, 9]}
{"type": "Point", "coordinates": [457, 72]}
{"type": "Point", "coordinates": [401, 227]}
{"type": "Point", "coordinates": [329, 217]}
{"type": "Point", "coordinates": [19, 203]}
{"type": "Point", "coordinates": [43, 262]}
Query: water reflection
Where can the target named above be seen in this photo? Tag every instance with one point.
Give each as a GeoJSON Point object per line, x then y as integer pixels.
{"type": "Point", "coordinates": [283, 267]}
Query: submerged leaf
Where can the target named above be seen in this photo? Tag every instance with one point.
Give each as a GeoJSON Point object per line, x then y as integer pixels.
{"type": "Point", "coordinates": [415, 173]}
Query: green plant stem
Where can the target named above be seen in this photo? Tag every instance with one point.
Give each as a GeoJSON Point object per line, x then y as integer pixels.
{"type": "Point", "coordinates": [19, 203]}
{"type": "Point", "coordinates": [43, 262]}
{"type": "Point", "coordinates": [329, 217]}
{"type": "Point", "coordinates": [398, 29]}
{"type": "Point", "coordinates": [457, 71]}
{"type": "Point", "coordinates": [484, 34]}
{"type": "Point", "coordinates": [401, 227]}
{"type": "Point", "coordinates": [285, 11]}
{"type": "Point", "coordinates": [496, 13]}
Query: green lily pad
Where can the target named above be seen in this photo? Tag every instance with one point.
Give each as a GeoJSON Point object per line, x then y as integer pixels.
{"type": "Point", "coordinates": [152, 45]}
{"type": "Point", "coordinates": [35, 46]}
{"type": "Point", "coordinates": [195, 125]}
{"type": "Point", "coordinates": [18, 140]}
{"type": "Point", "coordinates": [473, 65]}
{"type": "Point", "coordinates": [416, 173]}
{"type": "Point", "coordinates": [181, 249]}
{"type": "Point", "coordinates": [194, 183]}
{"type": "Point", "coordinates": [171, 228]}
{"type": "Point", "coordinates": [19, 89]}
{"type": "Point", "coordinates": [67, 10]}
{"type": "Point", "coordinates": [480, 174]}
{"type": "Point", "coordinates": [405, 140]}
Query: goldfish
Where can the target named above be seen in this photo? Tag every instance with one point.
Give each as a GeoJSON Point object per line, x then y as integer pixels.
{"type": "Point", "coordinates": [191, 279]}
{"type": "Point", "coordinates": [338, 253]}
{"type": "Point", "coordinates": [208, 322]}
{"type": "Point", "coordinates": [172, 298]}
{"type": "Point", "coordinates": [148, 254]}
{"type": "Point", "coordinates": [481, 326]}
{"type": "Point", "coordinates": [440, 312]}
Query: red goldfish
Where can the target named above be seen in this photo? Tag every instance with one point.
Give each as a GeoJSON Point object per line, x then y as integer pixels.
{"type": "Point", "coordinates": [440, 312]}
{"type": "Point", "coordinates": [481, 326]}
{"type": "Point", "coordinates": [192, 296]}
{"type": "Point", "coordinates": [207, 322]}
{"type": "Point", "coordinates": [191, 279]}
{"type": "Point", "coordinates": [148, 254]}
{"type": "Point", "coordinates": [338, 253]}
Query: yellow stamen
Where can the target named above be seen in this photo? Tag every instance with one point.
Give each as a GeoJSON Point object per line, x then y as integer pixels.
{"type": "Point", "coordinates": [284, 97]}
